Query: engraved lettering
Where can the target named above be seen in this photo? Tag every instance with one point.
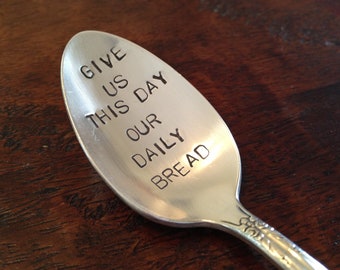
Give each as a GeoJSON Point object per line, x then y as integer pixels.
{"type": "Point", "coordinates": [112, 111]}
{"type": "Point", "coordinates": [162, 146]}
{"type": "Point", "coordinates": [132, 134]}
{"type": "Point", "coordinates": [159, 182]}
{"type": "Point", "coordinates": [151, 118]}
{"type": "Point", "coordinates": [141, 94]}
{"type": "Point", "coordinates": [103, 116]}
{"type": "Point", "coordinates": [101, 63]}
{"type": "Point", "coordinates": [176, 135]}
{"type": "Point", "coordinates": [106, 61]}
{"type": "Point", "coordinates": [118, 54]}
{"type": "Point", "coordinates": [122, 83]}
{"type": "Point", "coordinates": [150, 154]}
{"type": "Point", "coordinates": [140, 160]}
{"type": "Point", "coordinates": [167, 146]}
{"type": "Point", "coordinates": [95, 65]}
{"type": "Point", "coordinates": [179, 170]}
{"type": "Point", "coordinates": [168, 173]}
{"type": "Point", "coordinates": [191, 159]}
{"type": "Point", "coordinates": [111, 92]}
{"type": "Point", "coordinates": [87, 72]}
{"type": "Point", "coordinates": [150, 86]}
{"type": "Point", "coordinates": [159, 148]}
{"type": "Point", "coordinates": [143, 128]}
{"type": "Point", "coordinates": [123, 108]}
{"type": "Point", "coordinates": [90, 116]}
{"type": "Point", "coordinates": [201, 151]}
{"type": "Point", "coordinates": [117, 82]}
{"type": "Point", "coordinates": [160, 77]}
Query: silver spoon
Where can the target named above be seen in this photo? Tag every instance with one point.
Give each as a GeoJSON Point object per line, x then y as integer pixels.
{"type": "Point", "coordinates": [159, 144]}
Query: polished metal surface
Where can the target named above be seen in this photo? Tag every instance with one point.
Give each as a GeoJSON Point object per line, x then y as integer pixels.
{"type": "Point", "coordinates": [159, 144]}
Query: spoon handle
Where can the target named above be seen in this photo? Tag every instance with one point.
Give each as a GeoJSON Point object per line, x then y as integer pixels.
{"type": "Point", "coordinates": [271, 243]}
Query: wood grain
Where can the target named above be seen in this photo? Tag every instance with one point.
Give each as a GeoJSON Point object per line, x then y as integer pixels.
{"type": "Point", "coordinates": [270, 68]}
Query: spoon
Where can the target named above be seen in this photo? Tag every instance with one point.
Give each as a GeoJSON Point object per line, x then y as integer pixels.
{"type": "Point", "coordinates": [159, 144]}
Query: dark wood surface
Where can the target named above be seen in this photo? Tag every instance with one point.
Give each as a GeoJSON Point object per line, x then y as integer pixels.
{"type": "Point", "coordinates": [270, 68]}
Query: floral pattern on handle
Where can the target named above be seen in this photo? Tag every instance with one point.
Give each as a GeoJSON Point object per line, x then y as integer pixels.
{"type": "Point", "coordinates": [268, 238]}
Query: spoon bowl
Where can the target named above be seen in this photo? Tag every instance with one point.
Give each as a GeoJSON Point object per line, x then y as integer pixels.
{"type": "Point", "coordinates": [159, 144]}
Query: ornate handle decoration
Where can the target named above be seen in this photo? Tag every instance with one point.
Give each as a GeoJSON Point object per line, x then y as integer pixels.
{"type": "Point", "coordinates": [279, 249]}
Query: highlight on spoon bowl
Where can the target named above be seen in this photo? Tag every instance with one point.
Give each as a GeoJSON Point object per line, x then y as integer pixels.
{"type": "Point", "coordinates": [159, 144]}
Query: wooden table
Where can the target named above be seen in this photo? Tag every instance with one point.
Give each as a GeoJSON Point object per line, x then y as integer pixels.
{"type": "Point", "coordinates": [270, 68]}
